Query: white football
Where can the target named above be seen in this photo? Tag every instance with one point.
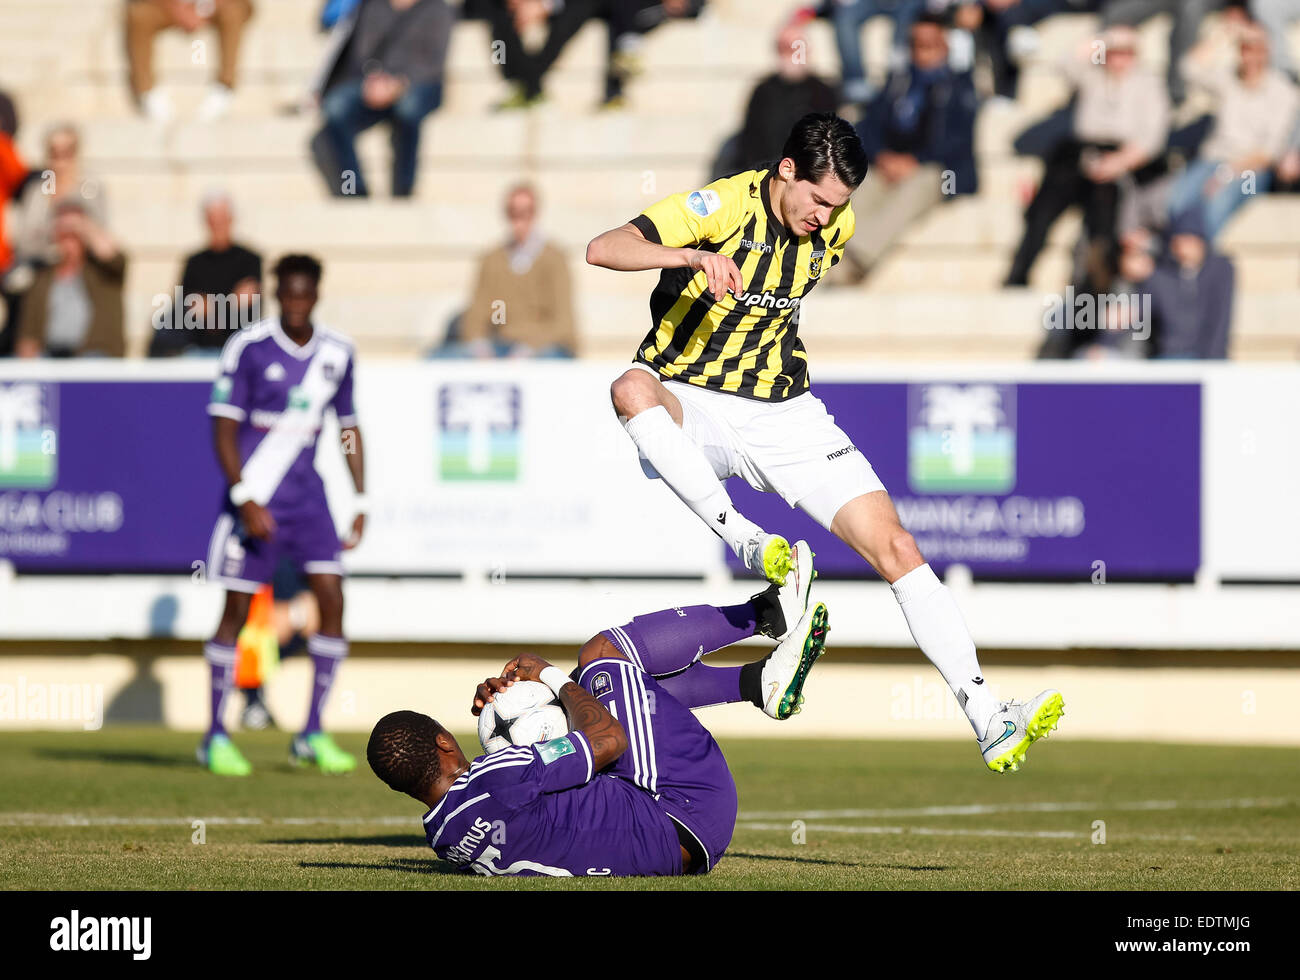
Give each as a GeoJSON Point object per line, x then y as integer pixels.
{"type": "Point", "coordinates": [524, 713]}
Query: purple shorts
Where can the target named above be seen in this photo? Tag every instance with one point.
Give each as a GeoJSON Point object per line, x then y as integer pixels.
{"type": "Point", "coordinates": [670, 755]}
{"type": "Point", "coordinates": [304, 534]}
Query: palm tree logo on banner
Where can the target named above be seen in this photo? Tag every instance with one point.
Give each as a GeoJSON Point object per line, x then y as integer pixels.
{"type": "Point", "coordinates": [961, 438]}
{"type": "Point", "coordinates": [478, 426]}
{"type": "Point", "coordinates": [28, 435]}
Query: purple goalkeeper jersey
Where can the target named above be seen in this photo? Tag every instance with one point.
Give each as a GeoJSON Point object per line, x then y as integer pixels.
{"type": "Point", "coordinates": [278, 391]}
{"type": "Point", "coordinates": [540, 810]}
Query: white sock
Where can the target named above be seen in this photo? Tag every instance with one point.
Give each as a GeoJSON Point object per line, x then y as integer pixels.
{"type": "Point", "coordinates": [685, 469]}
{"type": "Point", "coordinates": [938, 629]}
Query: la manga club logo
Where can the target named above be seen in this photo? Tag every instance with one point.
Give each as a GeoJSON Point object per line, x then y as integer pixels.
{"type": "Point", "coordinates": [961, 438]}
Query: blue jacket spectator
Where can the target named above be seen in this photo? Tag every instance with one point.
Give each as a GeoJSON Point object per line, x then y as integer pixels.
{"type": "Point", "coordinates": [919, 134]}
{"type": "Point", "coordinates": [930, 115]}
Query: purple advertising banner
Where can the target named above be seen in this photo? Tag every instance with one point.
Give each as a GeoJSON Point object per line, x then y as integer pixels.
{"type": "Point", "coordinates": [105, 476]}
{"type": "Point", "coordinates": [1022, 481]}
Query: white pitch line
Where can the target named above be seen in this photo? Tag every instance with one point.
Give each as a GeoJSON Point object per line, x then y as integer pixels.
{"type": "Point", "coordinates": [956, 832]}
{"type": "Point", "coordinates": [746, 819]}
{"type": "Point", "coordinates": [984, 809]}
{"type": "Point", "coordinates": [77, 820]}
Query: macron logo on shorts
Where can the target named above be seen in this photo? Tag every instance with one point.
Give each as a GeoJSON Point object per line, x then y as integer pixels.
{"type": "Point", "coordinates": [842, 452]}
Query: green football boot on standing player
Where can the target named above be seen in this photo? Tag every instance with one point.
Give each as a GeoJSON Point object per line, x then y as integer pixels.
{"type": "Point", "coordinates": [320, 749]}
{"type": "Point", "coordinates": [217, 753]}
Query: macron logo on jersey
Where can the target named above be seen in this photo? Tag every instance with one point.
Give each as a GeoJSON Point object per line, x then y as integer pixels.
{"type": "Point", "coordinates": [703, 202]}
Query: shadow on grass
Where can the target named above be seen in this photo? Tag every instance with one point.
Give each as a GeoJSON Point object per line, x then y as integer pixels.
{"type": "Point", "coordinates": [387, 840]}
{"type": "Point", "coordinates": [839, 864]}
{"type": "Point", "coordinates": [408, 865]}
{"type": "Point", "coordinates": [118, 757]}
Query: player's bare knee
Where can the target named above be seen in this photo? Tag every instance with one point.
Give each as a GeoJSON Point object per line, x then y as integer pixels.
{"type": "Point", "coordinates": [903, 553]}
{"type": "Point", "coordinates": [598, 648]}
{"type": "Point", "coordinates": [633, 392]}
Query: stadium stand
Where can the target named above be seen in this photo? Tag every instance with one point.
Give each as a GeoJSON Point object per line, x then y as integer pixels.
{"type": "Point", "coordinates": [396, 270]}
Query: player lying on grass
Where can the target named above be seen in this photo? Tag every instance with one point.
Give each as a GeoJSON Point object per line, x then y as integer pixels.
{"type": "Point", "coordinates": [638, 786]}
{"type": "Point", "coordinates": [719, 388]}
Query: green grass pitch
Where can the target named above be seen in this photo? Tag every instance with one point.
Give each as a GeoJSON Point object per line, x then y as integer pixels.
{"type": "Point", "coordinates": [113, 810]}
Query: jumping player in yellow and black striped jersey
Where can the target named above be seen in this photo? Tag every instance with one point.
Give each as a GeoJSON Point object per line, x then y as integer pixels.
{"type": "Point", "coordinates": [746, 341]}
{"type": "Point", "coordinates": [720, 388]}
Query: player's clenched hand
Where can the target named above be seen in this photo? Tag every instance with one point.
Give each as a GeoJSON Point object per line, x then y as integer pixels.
{"type": "Point", "coordinates": [526, 667]}
{"type": "Point", "coordinates": [722, 273]}
{"type": "Point", "coordinates": [487, 691]}
{"type": "Point", "coordinates": [358, 528]}
{"type": "Point", "coordinates": [257, 519]}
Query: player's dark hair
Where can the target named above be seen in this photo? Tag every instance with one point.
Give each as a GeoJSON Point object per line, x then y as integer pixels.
{"type": "Point", "coordinates": [822, 143]}
{"type": "Point", "coordinates": [403, 751]}
{"type": "Point", "coordinates": [298, 265]}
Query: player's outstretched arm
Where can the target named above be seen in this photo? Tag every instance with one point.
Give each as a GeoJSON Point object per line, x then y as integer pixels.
{"type": "Point", "coordinates": [625, 249]}
{"type": "Point", "coordinates": [604, 733]}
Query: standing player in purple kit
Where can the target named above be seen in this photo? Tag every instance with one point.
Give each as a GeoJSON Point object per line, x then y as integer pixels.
{"type": "Point", "coordinates": [278, 376]}
{"type": "Point", "coordinates": [638, 786]}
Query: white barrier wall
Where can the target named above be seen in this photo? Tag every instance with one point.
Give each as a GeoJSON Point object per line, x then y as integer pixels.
{"type": "Point", "coordinates": [576, 503]}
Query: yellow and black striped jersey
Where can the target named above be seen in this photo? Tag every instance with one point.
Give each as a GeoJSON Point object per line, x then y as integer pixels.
{"type": "Point", "coordinates": [746, 343]}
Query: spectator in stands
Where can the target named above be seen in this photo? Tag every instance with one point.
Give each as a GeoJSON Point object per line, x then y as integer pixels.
{"type": "Point", "coordinates": [1004, 29]}
{"type": "Point", "coordinates": [627, 21]}
{"type": "Point", "coordinates": [847, 18]}
{"type": "Point", "coordinates": [1191, 291]}
{"type": "Point", "coordinates": [1187, 16]}
{"type": "Point", "coordinates": [522, 304]}
{"type": "Point", "coordinates": [74, 307]}
{"type": "Point", "coordinates": [146, 18]}
{"type": "Point", "coordinates": [221, 287]}
{"type": "Point", "coordinates": [776, 104]}
{"type": "Point", "coordinates": [1119, 128]}
{"type": "Point", "coordinates": [919, 134]}
{"type": "Point", "coordinates": [1276, 16]}
{"type": "Point", "coordinates": [1256, 116]}
{"type": "Point", "coordinates": [61, 179]}
{"type": "Point", "coordinates": [13, 173]}
{"type": "Point", "coordinates": [388, 69]}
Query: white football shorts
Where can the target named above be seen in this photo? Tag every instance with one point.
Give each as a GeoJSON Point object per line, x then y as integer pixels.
{"type": "Point", "coordinates": [792, 448]}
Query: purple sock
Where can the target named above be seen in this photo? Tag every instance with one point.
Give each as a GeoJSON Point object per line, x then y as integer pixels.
{"type": "Point", "coordinates": [699, 685]}
{"type": "Point", "coordinates": [221, 662]}
{"type": "Point", "coordinates": [669, 641]}
{"type": "Point", "coordinates": [326, 654]}
{"type": "Point", "coordinates": [668, 645]}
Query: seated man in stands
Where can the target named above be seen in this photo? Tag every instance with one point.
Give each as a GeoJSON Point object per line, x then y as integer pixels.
{"type": "Point", "coordinates": [74, 307]}
{"type": "Point", "coordinates": [221, 288]}
{"type": "Point", "coordinates": [778, 102]}
{"type": "Point", "coordinates": [1257, 107]}
{"type": "Point", "coordinates": [146, 18]}
{"type": "Point", "coordinates": [522, 305]}
{"type": "Point", "coordinates": [919, 134]}
{"type": "Point", "coordinates": [388, 68]}
{"type": "Point", "coordinates": [1120, 127]}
